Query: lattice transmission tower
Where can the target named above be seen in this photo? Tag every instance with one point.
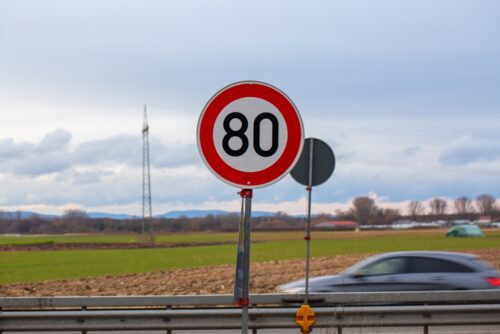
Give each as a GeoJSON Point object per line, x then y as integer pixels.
{"type": "Point", "coordinates": [147, 211]}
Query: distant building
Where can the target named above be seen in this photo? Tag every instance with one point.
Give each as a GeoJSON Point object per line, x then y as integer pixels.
{"type": "Point", "coordinates": [411, 224]}
{"type": "Point", "coordinates": [461, 222]}
{"type": "Point", "coordinates": [347, 225]}
{"type": "Point", "coordinates": [483, 221]}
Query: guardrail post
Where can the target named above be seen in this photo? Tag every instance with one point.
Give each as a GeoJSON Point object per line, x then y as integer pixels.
{"type": "Point", "coordinates": [426, 329]}
{"type": "Point", "coordinates": [339, 330]}
{"type": "Point", "coordinates": [168, 307]}
{"type": "Point", "coordinates": [83, 309]}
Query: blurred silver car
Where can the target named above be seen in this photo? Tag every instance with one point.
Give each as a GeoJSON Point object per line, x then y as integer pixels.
{"type": "Point", "coordinates": [406, 271]}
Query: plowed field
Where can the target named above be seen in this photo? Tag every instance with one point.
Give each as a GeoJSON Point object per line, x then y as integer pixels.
{"type": "Point", "coordinates": [264, 277]}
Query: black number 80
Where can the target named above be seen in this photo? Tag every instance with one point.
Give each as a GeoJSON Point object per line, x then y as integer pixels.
{"type": "Point", "coordinates": [240, 133]}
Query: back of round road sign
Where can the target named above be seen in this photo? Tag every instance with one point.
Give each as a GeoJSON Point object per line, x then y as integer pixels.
{"type": "Point", "coordinates": [250, 134]}
{"type": "Point", "coordinates": [323, 163]}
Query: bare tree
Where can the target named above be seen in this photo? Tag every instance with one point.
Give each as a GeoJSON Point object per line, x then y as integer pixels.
{"type": "Point", "coordinates": [390, 215]}
{"type": "Point", "coordinates": [363, 209]}
{"type": "Point", "coordinates": [438, 206]}
{"type": "Point", "coordinates": [74, 214]}
{"type": "Point", "coordinates": [75, 221]}
{"type": "Point", "coordinates": [485, 203]}
{"type": "Point", "coordinates": [463, 205]}
{"type": "Point", "coordinates": [415, 209]}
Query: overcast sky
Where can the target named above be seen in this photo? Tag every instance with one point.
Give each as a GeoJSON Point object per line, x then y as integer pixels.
{"type": "Point", "coordinates": [407, 93]}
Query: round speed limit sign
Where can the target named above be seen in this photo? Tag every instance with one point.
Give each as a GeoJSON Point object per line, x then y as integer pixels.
{"type": "Point", "coordinates": [250, 134]}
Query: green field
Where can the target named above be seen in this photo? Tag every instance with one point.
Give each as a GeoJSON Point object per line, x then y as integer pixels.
{"type": "Point", "coordinates": [32, 266]}
{"type": "Point", "coordinates": [118, 238]}
{"type": "Point", "coordinates": [175, 238]}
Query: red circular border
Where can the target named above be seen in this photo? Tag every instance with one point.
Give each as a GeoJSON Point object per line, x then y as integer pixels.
{"type": "Point", "coordinates": [270, 174]}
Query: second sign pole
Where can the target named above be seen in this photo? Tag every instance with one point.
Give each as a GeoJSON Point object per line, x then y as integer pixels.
{"type": "Point", "coordinates": [308, 223]}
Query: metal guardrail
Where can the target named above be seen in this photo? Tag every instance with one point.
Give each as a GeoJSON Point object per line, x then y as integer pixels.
{"type": "Point", "coordinates": [336, 310]}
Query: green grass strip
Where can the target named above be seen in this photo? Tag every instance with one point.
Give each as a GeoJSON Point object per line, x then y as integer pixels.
{"type": "Point", "coordinates": [49, 265]}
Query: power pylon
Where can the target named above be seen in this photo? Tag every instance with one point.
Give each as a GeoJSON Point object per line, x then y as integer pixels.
{"type": "Point", "coordinates": [147, 211]}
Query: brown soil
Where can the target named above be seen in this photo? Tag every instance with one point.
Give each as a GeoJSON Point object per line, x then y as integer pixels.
{"type": "Point", "coordinates": [264, 278]}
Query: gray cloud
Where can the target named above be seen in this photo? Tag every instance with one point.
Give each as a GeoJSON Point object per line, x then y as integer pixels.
{"type": "Point", "coordinates": [315, 52]}
{"type": "Point", "coordinates": [9, 150]}
{"type": "Point", "coordinates": [466, 150]}
{"type": "Point", "coordinates": [125, 149]}
{"type": "Point", "coordinates": [36, 159]}
{"type": "Point", "coordinates": [54, 140]}
{"type": "Point", "coordinates": [407, 152]}
{"type": "Point", "coordinates": [54, 155]}
{"type": "Point", "coordinates": [78, 178]}
{"type": "Point", "coordinates": [173, 154]}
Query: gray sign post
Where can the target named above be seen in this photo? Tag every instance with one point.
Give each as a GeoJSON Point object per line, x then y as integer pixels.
{"type": "Point", "coordinates": [315, 166]}
{"type": "Point", "coordinates": [242, 276]}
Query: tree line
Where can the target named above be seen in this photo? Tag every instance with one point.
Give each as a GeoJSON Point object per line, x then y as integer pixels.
{"type": "Point", "coordinates": [77, 221]}
{"type": "Point", "coordinates": [363, 210]}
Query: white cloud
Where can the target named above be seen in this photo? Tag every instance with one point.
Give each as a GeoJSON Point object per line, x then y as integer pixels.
{"type": "Point", "coordinates": [467, 149]}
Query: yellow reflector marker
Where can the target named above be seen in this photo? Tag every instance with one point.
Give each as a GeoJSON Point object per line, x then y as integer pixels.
{"type": "Point", "coordinates": [305, 318]}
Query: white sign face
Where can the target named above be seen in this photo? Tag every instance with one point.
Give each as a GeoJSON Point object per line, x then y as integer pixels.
{"type": "Point", "coordinates": [237, 143]}
{"type": "Point", "coordinates": [250, 134]}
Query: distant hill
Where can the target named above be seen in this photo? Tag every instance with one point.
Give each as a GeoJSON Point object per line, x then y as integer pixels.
{"type": "Point", "coordinates": [97, 215]}
{"type": "Point", "coordinates": [191, 213]}
{"type": "Point", "coordinates": [170, 214]}
{"type": "Point", "coordinates": [204, 213]}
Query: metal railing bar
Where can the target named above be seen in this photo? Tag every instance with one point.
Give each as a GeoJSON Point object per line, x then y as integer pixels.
{"type": "Point", "coordinates": [276, 299]}
{"type": "Point", "coordinates": [254, 312]}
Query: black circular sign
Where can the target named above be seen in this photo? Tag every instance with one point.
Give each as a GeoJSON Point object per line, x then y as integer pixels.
{"type": "Point", "coordinates": [323, 163]}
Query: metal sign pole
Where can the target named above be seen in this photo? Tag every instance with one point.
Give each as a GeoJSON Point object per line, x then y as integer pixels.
{"type": "Point", "coordinates": [308, 224]}
{"type": "Point", "coordinates": [311, 174]}
{"type": "Point", "coordinates": [242, 279]}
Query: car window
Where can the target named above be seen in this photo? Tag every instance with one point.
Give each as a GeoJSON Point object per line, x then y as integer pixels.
{"type": "Point", "coordinates": [396, 265]}
{"type": "Point", "coordinates": [429, 265]}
